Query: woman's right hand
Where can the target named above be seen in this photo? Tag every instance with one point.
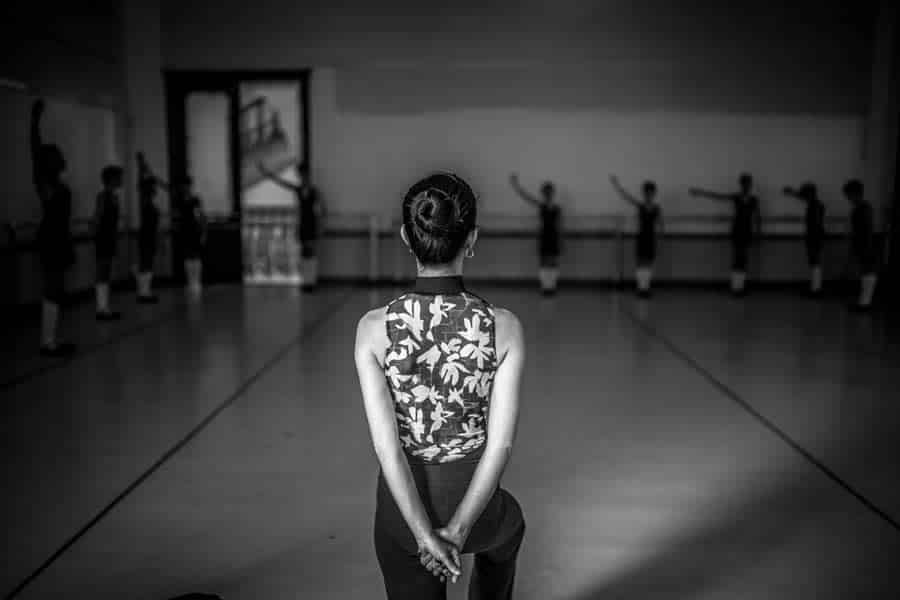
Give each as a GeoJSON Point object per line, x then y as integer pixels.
{"type": "Point", "coordinates": [440, 557]}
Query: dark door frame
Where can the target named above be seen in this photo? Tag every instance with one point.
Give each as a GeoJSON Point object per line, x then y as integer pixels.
{"type": "Point", "coordinates": [180, 83]}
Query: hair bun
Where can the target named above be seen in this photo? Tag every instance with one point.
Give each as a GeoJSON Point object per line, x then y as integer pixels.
{"type": "Point", "coordinates": [435, 209]}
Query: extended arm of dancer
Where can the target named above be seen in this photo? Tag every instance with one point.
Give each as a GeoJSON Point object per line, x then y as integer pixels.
{"type": "Point", "coordinates": [793, 193]}
{"type": "Point", "coordinates": [522, 192]}
{"type": "Point", "coordinates": [623, 193]}
{"type": "Point", "coordinates": [275, 178]}
{"type": "Point", "coordinates": [144, 170]}
{"type": "Point", "coordinates": [710, 194]}
{"type": "Point", "coordinates": [37, 110]}
{"type": "Point", "coordinates": [501, 432]}
{"type": "Point", "coordinates": [371, 341]}
{"type": "Point", "coordinates": [37, 172]}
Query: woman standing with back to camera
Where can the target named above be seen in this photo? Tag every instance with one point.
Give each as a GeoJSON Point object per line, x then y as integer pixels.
{"type": "Point", "coordinates": [439, 369]}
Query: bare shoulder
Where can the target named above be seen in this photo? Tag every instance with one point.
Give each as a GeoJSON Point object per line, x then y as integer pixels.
{"type": "Point", "coordinates": [372, 320]}
{"type": "Point", "coordinates": [370, 331]}
{"type": "Point", "coordinates": [509, 331]}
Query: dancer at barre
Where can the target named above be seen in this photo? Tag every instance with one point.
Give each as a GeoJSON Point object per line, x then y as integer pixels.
{"type": "Point", "coordinates": [106, 238]}
{"type": "Point", "coordinates": [862, 242]}
{"type": "Point", "coordinates": [814, 231]}
{"type": "Point", "coordinates": [746, 226]}
{"type": "Point", "coordinates": [649, 218]}
{"type": "Point", "coordinates": [190, 231]}
{"type": "Point", "coordinates": [148, 232]}
{"type": "Point", "coordinates": [54, 236]}
{"type": "Point", "coordinates": [549, 212]}
{"type": "Point", "coordinates": [309, 217]}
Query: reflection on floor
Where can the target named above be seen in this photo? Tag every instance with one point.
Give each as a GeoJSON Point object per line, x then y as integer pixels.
{"type": "Point", "coordinates": [641, 473]}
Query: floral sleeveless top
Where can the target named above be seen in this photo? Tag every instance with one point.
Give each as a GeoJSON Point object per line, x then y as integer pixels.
{"type": "Point", "coordinates": [440, 367]}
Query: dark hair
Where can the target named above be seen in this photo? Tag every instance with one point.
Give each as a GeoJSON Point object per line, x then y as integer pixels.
{"type": "Point", "coordinates": [111, 174]}
{"type": "Point", "coordinates": [745, 179]}
{"type": "Point", "coordinates": [183, 179]}
{"type": "Point", "coordinates": [853, 188]}
{"type": "Point", "coordinates": [547, 188]}
{"type": "Point", "coordinates": [649, 187]}
{"type": "Point", "coordinates": [808, 190]}
{"type": "Point", "coordinates": [438, 214]}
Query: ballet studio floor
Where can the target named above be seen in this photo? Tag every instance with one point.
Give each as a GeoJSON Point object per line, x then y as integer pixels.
{"type": "Point", "coordinates": [690, 447]}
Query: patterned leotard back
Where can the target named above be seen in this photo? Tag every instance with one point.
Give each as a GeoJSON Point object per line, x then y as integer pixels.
{"type": "Point", "coordinates": [440, 368]}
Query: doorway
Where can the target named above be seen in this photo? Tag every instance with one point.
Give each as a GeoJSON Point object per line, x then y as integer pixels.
{"type": "Point", "coordinates": [222, 126]}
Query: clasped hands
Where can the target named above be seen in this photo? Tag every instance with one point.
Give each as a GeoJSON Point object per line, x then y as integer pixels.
{"type": "Point", "coordinates": [439, 553]}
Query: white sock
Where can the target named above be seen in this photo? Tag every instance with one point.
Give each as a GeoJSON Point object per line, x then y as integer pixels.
{"type": "Point", "coordinates": [815, 281]}
{"type": "Point", "coordinates": [102, 292]}
{"type": "Point", "coordinates": [194, 269]}
{"type": "Point", "coordinates": [554, 277]}
{"type": "Point", "coordinates": [738, 279]}
{"type": "Point", "coordinates": [49, 322]}
{"type": "Point", "coordinates": [644, 276]}
{"type": "Point", "coordinates": [867, 289]}
{"type": "Point", "coordinates": [544, 278]}
{"type": "Point", "coordinates": [145, 284]}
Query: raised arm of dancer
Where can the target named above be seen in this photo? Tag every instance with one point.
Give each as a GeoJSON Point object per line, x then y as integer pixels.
{"type": "Point", "coordinates": [522, 192]}
{"type": "Point", "coordinates": [275, 178]}
{"type": "Point", "coordinates": [37, 111]}
{"type": "Point", "coordinates": [501, 430]}
{"type": "Point", "coordinates": [321, 211]}
{"type": "Point", "coordinates": [200, 215]}
{"type": "Point", "coordinates": [710, 194]}
{"type": "Point", "coordinates": [623, 193]}
{"type": "Point", "coordinates": [144, 170]}
{"type": "Point", "coordinates": [371, 342]}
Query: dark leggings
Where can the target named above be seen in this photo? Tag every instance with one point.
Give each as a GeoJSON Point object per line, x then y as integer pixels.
{"type": "Point", "coordinates": [814, 246]}
{"type": "Point", "coordinates": [104, 268]}
{"type": "Point", "coordinates": [740, 251]}
{"type": "Point", "coordinates": [54, 289]}
{"type": "Point", "coordinates": [146, 253]}
{"type": "Point", "coordinates": [495, 538]}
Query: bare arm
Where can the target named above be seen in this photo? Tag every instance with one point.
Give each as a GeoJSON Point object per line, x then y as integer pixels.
{"type": "Point", "coordinates": [200, 215]}
{"type": "Point", "coordinates": [789, 191]}
{"type": "Point", "coordinates": [144, 170]}
{"type": "Point", "coordinates": [711, 195]}
{"type": "Point", "coordinates": [276, 179]}
{"type": "Point", "coordinates": [37, 110]}
{"type": "Point", "coordinates": [371, 340]}
{"type": "Point", "coordinates": [522, 192]}
{"type": "Point", "coordinates": [627, 197]}
{"type": "Point", "coordinates": [501, 431]}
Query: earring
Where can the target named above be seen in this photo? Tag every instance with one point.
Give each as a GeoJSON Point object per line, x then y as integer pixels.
{"type": "Point", "coordinates": [470, 252]}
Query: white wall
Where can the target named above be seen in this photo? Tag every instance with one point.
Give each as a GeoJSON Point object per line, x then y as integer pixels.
{"type": "Point", "coordinates": [367, 161]}
{"type": "Point", "coordinates": [686, 95]}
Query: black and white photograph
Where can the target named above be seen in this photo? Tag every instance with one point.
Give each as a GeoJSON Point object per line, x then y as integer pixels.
{"type": "Point", "coordinates": [416, 300]}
